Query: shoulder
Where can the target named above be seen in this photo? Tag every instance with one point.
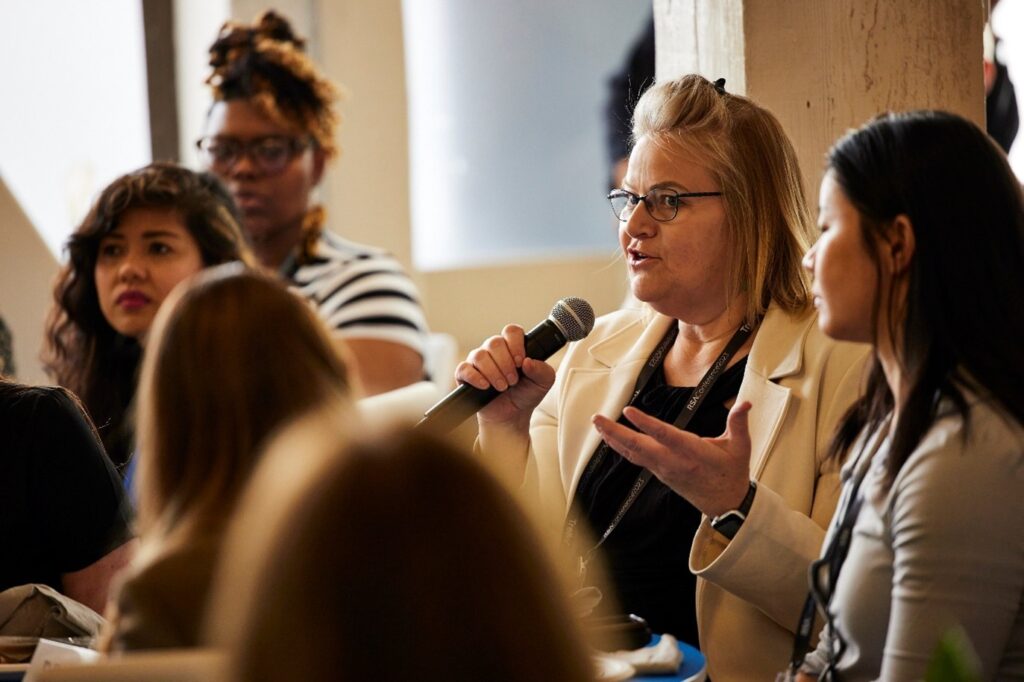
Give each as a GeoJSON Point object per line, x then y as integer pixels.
{"type": "Point", "coordinates": [619, 337]}
{"type": "Point", "coordinates": [978, 461]}
{"type": "Point", "coordinates": [987, 442]}
{"type": "Point", "coordinates": [792, 343]}
{"type": "Point", "coordinates": [334, 251]}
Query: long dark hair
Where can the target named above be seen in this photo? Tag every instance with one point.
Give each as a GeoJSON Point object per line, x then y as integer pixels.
{"type": "Point", "coordinates": [83, 352]}
{"type": "Point", "coordinates": [961, 325]}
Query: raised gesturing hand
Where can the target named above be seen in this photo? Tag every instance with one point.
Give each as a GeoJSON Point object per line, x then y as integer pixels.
{"type": "Point", "coordinates": [713, 474]}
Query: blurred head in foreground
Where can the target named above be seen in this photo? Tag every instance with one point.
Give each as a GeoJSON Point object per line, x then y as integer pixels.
{"type": "Point", "coordinates": [399, 559]}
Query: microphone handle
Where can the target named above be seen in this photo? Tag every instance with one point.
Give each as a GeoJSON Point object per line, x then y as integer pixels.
{"type": "Point", "coordinates": [542, 342]}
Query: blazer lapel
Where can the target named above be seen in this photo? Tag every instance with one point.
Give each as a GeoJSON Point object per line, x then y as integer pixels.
{"type": "Point", "coordinates": [603, 386]}
{"type": "Point", "coordinates": [777, 352]}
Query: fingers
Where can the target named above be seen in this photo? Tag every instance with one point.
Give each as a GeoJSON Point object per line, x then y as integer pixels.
{"type": "Point", "coordinates": [539, 372]}
{"type": "Point", "coordinates": [496, 363]}
{"type": "Point", "coordinates": [664, 433]}
{"type": "Point", "coordinates": [638, 448]}
{"type": "Point", "coordinates": [738, 426]}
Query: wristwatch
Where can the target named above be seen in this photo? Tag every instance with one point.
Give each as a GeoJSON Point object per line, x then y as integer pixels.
{"type": "Point", "coordinates": [728, 523]}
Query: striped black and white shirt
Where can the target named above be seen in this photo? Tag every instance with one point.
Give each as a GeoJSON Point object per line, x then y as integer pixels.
{"type": "Point", "coordinates": [361, 292]}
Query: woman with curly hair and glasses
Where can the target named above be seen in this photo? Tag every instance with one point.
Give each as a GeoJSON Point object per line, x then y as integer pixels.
{"type": "Point", "coordinates": [269, 134]}
{"type": "Point", "coordinates": [147, 231]}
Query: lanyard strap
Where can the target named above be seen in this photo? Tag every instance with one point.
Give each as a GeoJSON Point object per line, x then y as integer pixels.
{"type": "Point", "coordinates": [696, 399]}
{"type": "Point", "coordinates": [834, 555]}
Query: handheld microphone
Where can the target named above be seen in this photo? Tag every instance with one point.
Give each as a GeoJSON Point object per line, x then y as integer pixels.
{"type": "Point", "coordinates": [570, 320]}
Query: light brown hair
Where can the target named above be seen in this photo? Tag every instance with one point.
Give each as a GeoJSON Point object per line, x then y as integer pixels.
{"type": "Point", "coordinates": [400, 555]}
{"type": "Point", "coordinates": [746, 150]}
{"type": "Point", "coordinates": [217, 380]}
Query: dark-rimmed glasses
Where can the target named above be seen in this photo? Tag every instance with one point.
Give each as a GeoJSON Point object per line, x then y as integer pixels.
{"type": "Point", "coordinates": [662, 204]}
{"type": "Point", "coordinates": [270, 153]}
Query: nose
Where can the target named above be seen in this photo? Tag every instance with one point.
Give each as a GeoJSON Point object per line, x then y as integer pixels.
{"type": "Point", "coordinates": [243, 167]}
{"type": "Point", "coordinates": [132, 267]}
{"type": "Point", "coordinates": [640, 223]}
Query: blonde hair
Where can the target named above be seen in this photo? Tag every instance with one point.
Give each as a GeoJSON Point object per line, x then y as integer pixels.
{"type": "Point", "coordinates": [403, 541]}
{"type": "Point", "coordinates": [755, 165]}
{"type": "Point", "coordinates": [217, 380]}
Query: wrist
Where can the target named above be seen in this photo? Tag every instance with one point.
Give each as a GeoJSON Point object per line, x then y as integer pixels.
{"type": "Point", "coordinates": [728, 523]}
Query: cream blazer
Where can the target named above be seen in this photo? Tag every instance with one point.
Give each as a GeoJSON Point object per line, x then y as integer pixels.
{"type": "Point", "coordinates": [749, 590]}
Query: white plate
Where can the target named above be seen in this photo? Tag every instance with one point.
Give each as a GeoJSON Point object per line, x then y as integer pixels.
{"type": "Point", "coordinates": [611, 669]}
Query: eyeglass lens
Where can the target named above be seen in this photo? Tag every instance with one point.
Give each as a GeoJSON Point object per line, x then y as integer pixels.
{"type": "Point", "coordinates": [662, 204]}
{"type": "Point", "coordinates": [269, 154]}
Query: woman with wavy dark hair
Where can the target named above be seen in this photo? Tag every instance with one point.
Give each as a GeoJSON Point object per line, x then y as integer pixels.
{"type": "Point", "coordinates": [922, 255]}
{"type": "Point", "coordinates": [269, 136]}
{"type": "Point", "coordinates": [147, 231]}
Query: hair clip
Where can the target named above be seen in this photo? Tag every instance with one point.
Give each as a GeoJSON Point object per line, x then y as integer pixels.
{"type": "Point", "coordinates": [720, 86]}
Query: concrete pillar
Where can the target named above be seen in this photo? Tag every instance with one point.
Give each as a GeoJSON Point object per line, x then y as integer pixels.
{"type": "Point", "coordinates": [824, 66]}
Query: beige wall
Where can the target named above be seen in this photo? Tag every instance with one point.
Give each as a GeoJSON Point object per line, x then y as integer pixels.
{"type": "Point", "coordinates": [27, 269]}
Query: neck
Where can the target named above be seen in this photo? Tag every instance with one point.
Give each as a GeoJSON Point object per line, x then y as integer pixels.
{"type": "Point", "coordinates": [272, 251]}
{"type": "Point", "coordinates": [717, 327]}
{"type": "Point", "coordinates": [894, 377]}
{"type": "Point", "coordinates": [700, 342]}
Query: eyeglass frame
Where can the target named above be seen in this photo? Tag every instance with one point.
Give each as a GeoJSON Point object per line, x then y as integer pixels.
{"type": "Point", "coordinates": [296, 145]}
{"type": "Point", "coordinates": [635, 200]}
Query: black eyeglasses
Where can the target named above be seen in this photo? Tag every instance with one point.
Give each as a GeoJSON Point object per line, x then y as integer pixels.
{"type": "Point", "coordinates": [270, 154]}
{"type": "Point", "coordinates": [662, 204]}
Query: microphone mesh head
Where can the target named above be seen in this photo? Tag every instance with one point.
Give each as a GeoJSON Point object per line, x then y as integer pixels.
{"type": "Point", "coordinates": [574, 317]}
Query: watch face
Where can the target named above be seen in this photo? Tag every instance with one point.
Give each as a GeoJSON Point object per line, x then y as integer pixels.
{"type": "Point", "coordinates": [728, 524]}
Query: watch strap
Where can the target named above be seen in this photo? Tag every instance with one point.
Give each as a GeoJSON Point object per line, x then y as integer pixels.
{"type": "Point", "coordinates": [728, 523]}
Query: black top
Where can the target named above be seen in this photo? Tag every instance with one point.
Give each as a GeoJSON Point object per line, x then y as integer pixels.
{"type": "Point", "coordinates": [648, 554]}
{"type": "Point", "coordinates": [62, 506]}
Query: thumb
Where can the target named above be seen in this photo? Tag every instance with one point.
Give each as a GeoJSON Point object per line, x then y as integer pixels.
{"type": "Point", "coordinates": [738, 428]}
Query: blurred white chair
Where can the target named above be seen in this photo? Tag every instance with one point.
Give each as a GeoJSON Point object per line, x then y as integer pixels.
{"type": "Point", "coordinates": [172, 665]}
{"type": "Point", "coordinates": [441, 356]}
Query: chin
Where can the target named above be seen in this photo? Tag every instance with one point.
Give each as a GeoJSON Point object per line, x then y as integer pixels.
{"type": "Point", "coordinates": [836, 329]}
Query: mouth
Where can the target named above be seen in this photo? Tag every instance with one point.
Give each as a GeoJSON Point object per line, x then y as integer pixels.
{"type": "Point", "coordinates": [249, 201]}
{"type": "Point", "coordinates": [637, 257]}
{"type": "Point", "coordinates": [133, 300]}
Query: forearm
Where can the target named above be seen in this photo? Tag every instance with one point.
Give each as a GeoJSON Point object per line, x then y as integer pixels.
{"type": "Point", "coordinates": [506, 447]}
{"type": "Point", "coordinates": [766, 563]}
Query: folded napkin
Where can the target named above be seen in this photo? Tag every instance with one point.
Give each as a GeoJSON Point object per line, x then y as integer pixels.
{"type": "Point", "coordinates": [664, 657]}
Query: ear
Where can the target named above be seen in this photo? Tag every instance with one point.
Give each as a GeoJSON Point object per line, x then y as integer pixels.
{"type": "Point", "coordinates": [899, 245]}
{"type": "Point", "coordinates": [319, 163]}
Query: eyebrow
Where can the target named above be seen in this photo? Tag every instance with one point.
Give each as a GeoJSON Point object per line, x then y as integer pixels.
{"type": "Point", "coordinates": [150, 234]}
{"type": "Point", "coordinates": [665, 184]}
{"type": "Point", "coordinates": [669, 184]}
{"type": "Point", "coordinates": [146, 234]}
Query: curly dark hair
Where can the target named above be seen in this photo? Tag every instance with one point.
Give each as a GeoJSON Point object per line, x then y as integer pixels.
{"type": "Point", "coordinates": [266, 63]}
{"type": "Point", "coordinates": [83, 352]}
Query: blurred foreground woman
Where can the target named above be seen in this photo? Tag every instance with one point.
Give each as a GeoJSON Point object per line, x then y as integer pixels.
{"type": "Point", "coordinates": [399, 559]}
{"type": "Point", "coordinates": [217, 381]}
